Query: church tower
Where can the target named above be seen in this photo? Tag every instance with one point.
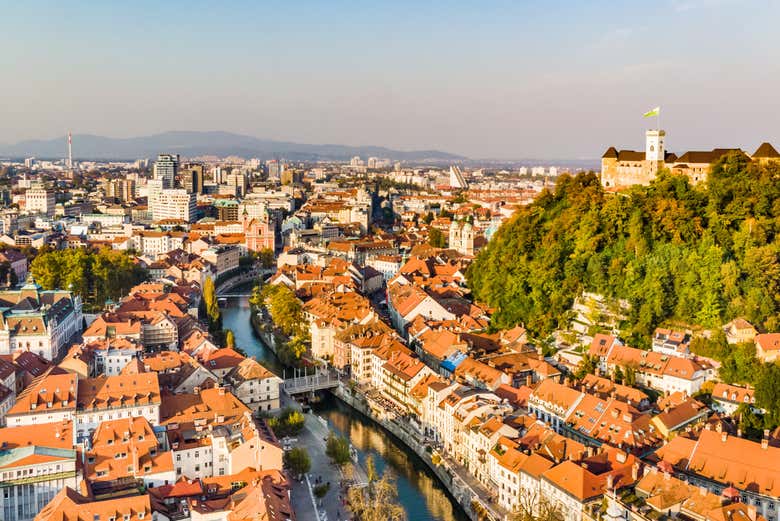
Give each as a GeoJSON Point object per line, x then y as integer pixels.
{"type": "Point", "coordinates": [454, 239]}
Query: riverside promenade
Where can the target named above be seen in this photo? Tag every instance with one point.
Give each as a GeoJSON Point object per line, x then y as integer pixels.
{"type": "Point", "coordinates": [467, 491]}
{"type": "Point", "coordinates": [331, 507]}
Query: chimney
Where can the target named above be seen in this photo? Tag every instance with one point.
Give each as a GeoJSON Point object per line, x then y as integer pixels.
{"type": "Point", "coordinates": [529, 379]}
{"type": "Point", "coordinates": [764, 443]}
{"type": "Point", "coordinates": [719, 427]}
{"type": "Point", "coordinates": [724, 436]}
{"type": "Point", "coordinates": [635, 471]}
{"type": "Point", "coordinates": [610, 482]}
{"type": "Point", "coordinates": [739, 432]}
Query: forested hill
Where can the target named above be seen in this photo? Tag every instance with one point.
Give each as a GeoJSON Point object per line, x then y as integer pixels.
{"type": "Point", "coordinates": [701, 255]}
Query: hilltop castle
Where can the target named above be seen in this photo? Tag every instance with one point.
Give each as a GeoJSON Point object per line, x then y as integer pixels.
{"type": "Point", "coordinates": [628, 167]}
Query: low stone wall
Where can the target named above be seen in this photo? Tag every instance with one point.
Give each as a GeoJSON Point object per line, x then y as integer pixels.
{"type": "Point", "coordinates": [266, 337]}
{"type": "Point", "coordinates": [454, 485]}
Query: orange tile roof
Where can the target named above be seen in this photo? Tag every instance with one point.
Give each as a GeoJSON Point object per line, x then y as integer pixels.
{"type": "Point", "coordinates": [124, 390]}
{"type": "Point", "coordinates": [68, 505]}
{"type": "Point", "coordinates": [48, 392]}
{"type": "Point", "coordinates": [126, 447]}
{"type": "Point", "coordinates": [58, 435]}
{"type": "Point", "coordinates": [205, 405]}
{"type": "Point", "coordinates": [768, 341]}
{"type": "Point", "coordinates": [727, 459]}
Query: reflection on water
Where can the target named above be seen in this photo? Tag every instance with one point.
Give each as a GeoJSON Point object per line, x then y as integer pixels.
{"type": "Point", "coordinates": [235, 316]}
{"type": "Point", "coordinates": [420, 493]}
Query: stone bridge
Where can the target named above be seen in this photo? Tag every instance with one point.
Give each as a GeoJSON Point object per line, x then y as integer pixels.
{"type": "Point", "coordinates": [240, 278]}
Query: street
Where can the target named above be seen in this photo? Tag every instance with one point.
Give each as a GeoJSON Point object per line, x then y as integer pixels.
{"type": "Point", "coordinates": [330, 508]}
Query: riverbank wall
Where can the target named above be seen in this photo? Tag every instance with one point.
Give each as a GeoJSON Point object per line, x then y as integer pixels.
{"type": "Point", "coordinates": [456, 487]}
{"type": "Point", "coordinates": [266, 337]}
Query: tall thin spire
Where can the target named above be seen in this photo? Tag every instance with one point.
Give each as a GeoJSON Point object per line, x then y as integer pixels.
{"type": "Point", "coordinates": [70, 152]}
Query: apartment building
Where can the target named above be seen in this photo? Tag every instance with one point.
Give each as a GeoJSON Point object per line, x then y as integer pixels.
{"type": "Point", "coordinates": [37, 320]}
{"type": "Point", "coordinates": [212, 433]}
{"type": "Point", "coordinates": [54, 397]}
{"type": "Point", "coordinates": [255, 385]}
{"type": "Point", "coordinates": [36, 462]}
{"type": "Point", "coordinates": [127, 449]}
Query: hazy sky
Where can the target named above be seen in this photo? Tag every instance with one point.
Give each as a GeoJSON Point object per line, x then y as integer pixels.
{"type": "Point", "coordinates": [514, 79]}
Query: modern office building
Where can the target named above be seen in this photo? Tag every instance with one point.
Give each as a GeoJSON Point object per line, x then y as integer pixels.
{"type": "Point", "coordinates": [166, 168]}
{"type": "Point", "coordinates": [39, 200]}
{"type": "Point", "coordinates": [175, 203]}
{"type": "Point", "coordinates": [192, 177]}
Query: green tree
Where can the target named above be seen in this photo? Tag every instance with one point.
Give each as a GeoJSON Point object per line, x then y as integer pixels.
{"type": "Point", "coordinates": [211, 304]}
{"type": "Point", "coordinates": [7, 274]}
{"type": "Point", "coordinates": [289, 422]}
{"type": "Point", "coordinates": [693, 254]}
{"type": "Point", "coordinates": [587, 365]}
{"type": "Point", "coordinates": [436, 238]}
{"type": "Point", "coordinates": [768, 393]}
{"type": "Point", "coordinates": [285, 309]}
{"type": "Point", "coordinates": [377, 501]}
{"type": "Point", "coordinates": [94, 275]}
{"type": "Point", "coordinates": [298, 461]}
{"type": "Point", "coordinates": [321, 490]}
{"type": "Point", "coordinates": [337, 449]}
{"type": "Point", "coordinates": [266, 257]}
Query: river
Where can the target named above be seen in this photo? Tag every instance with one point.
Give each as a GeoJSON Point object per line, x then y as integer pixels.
{"type": "Point", "coordinates": [420, 493]}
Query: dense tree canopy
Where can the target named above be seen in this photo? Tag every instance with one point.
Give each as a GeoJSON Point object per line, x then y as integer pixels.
{"type": "Point", "coordinates": [94, 275]}
{"type": "Point", "coordinates": [701, 255]}
{"type": "Point", "coordinates": [287, 313]}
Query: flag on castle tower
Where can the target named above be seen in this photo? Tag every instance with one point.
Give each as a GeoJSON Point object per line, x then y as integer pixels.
{"type": "Point", "coordinates": [654, 112]}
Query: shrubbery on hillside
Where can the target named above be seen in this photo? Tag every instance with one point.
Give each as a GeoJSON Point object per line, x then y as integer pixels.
{"type": "Point", "coordinates": [700, 255]}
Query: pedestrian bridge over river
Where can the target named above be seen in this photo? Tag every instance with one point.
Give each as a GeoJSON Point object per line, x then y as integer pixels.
{"type": "Point", "coordinates": [307, 383]}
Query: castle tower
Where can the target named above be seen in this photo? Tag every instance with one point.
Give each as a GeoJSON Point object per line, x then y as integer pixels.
{"type": "Point", "coordinates": [654, 150]}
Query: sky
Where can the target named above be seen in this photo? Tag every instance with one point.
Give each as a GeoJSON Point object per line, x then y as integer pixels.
{"type": "Point", "coordinates": [487, 79]}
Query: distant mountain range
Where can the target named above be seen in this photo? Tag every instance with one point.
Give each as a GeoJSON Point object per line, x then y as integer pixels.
{"type": "Point", "coordinates": [222, 144]}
